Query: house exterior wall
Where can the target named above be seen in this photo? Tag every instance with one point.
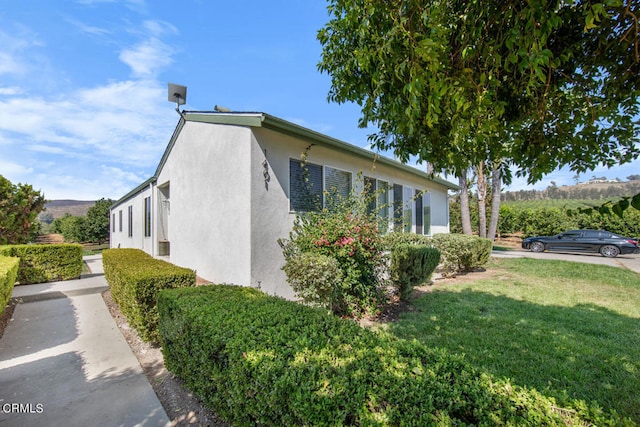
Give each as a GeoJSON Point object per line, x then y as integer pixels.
{"type": "Point", "coordinates": [221, 200]}
{"type": "Point", "coordinates": [120, 237]}
{"type": "Point", "coordinates": [271, 218]}
{"type": "Point", "coordinates": [207, 173]}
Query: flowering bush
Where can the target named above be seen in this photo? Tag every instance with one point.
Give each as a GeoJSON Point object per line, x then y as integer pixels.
{"type": "Point", "coordinates": [345, 232]}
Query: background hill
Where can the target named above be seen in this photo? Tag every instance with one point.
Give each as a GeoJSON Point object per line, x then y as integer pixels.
{"type": "Point", "coordinates": [596, 190]}
{"type": "Point", "coordinates": [57, 208]}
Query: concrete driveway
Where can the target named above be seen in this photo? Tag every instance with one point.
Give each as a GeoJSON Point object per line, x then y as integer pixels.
{"type": "Point", "coordinates": [631, 262]}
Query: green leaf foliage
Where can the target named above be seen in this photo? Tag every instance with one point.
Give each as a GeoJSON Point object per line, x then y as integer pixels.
{"type": "Point", "coordinates": [46, 263]}
{"type": "Point", "coordinates": [8, 274]}
{"type": "Point", "coordinates": [261, 360]}
{"type": "Point", "coordinates": [344, 231]}
{"type": "Point", "coordinates": [19, 206]}
{"type": "Point", "coordinates": [412, 265]}
{"type": "Point", "coordinates": [135, 279]}
{"type": "Point", "coordinates": [461, 252]}
{"type": "Point", "coordinates": [536, 85]}
{"type": "Point", "coordinates": [313, 277]}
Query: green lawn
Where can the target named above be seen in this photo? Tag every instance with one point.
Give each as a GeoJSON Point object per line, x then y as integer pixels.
{"type": "Point", "coordinates": [570, 330]}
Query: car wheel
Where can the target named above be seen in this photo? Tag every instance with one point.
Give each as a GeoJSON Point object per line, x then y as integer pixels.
{"type": "Point", "coordinates": [537, 247]}
{"type": "Point", "coordinates": [609, 251]}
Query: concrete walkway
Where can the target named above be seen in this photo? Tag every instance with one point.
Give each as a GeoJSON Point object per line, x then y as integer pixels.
{"type": "Point", "coordinates": [631, 262]}
{"type": "Point", "coordinates": [64, 362]}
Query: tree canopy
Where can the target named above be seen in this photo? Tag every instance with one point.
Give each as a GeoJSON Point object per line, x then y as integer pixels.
{"type": "Point", "coordinates": [19, 206]}
{"type": "Point", "coordinates": [535, 84]}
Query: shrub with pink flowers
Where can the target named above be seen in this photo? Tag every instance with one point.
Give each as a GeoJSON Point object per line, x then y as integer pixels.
{"type": "Point", "coordinates": [345, 232]}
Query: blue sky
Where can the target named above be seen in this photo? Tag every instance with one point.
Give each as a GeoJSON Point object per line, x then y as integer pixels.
{"type": "Point", "coordinates": [83, 98]}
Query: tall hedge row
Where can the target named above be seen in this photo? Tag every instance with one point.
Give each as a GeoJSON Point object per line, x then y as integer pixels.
{"type": "Point", "coordinates": [135, 278]}
{"type": "Point", "coordinates": [46, 263]}
{"type": "Point", "coordinates": [8, 274]}
{"type": "Point", "coordinates": [261, 360]}
{"type": "Point", "coordinates": [550, 221]}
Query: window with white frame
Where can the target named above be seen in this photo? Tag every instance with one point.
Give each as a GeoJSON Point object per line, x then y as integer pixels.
{"type": "Point", "coordinates": [408, 208]}
{"type": "Point", "coordinates": [305, 186]}
{"type": "Point", "coordinates": [377, 192]}
{"type": "Point", "coordinates": [130, 221]}
{"type": "Point", "coordinates": [426, 212]}
{"type": "Point", "coordinates": [120, 220]}
{"type": "Point", "coordinates": [397, 207]}
{"type": "Point", "coordinates": [419, 217]}
{"type": "Point", "coordinates": [383, 205]}
{"type": "Point", "coordinates": [337, 183]}
{"type": "Point", "coordinates": [147, 217]}
{"type": "Point", "coordinates": [113, 222]}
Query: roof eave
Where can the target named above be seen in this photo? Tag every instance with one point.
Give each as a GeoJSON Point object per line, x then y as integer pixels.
{"type": "Point", "coordinates": [133, 192]}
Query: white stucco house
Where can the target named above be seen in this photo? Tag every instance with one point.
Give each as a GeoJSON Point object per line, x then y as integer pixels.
{"type": "Point", "coordinates": [228, 187]}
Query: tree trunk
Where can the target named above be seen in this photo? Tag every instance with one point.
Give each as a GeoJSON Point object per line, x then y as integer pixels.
{"type": "Point", "coordinates": [482, 202]}
{"type": "Point", "coordinates": [465, 214]}
{"type": "Point", "coordinates": [496, 187]}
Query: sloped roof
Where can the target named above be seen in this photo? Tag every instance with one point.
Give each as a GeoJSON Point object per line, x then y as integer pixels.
{"type": "Point", "coordinates": [263, 120]}
{"type": "Point", "coordinates": [257, 119]}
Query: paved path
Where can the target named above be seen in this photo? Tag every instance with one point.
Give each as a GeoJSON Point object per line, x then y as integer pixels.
{"type": "Point", "coordinates": [631, 262]}
{"type": "Point", "coordinates": [64, 362]}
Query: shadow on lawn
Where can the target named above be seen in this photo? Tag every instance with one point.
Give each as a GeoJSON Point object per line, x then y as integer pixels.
{"type": "Point", "coordinates": [581, 352]}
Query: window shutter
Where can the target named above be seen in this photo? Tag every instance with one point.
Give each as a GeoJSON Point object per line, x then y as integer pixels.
{"type": "Point", "coordinates": [337, 182]}
{"type": "Point", "coordinates": [305, 186]}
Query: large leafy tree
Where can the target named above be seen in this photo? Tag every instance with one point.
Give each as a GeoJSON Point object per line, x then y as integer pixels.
{"type": "Point", "coordinates": [98, 221]}
{"type": "Point", "coordinates": [534, 84]}
{"type": "Point", "coordinates": [19, 206]}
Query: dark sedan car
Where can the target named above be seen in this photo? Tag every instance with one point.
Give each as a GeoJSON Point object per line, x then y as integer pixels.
{"type": "Point", "coordinates": [599, 241]}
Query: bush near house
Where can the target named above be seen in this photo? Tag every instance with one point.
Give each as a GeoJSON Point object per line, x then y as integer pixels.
{"type": "Point", "coordinates": [8, 274]}
{"type": "Point", "coordinates": [458, 252]}
{"type": "Point", "coordinates": [345, 232]}
{"type": "Point", "coordinates": [412, 265]}
{"type": "Point", "coordinates": [46, 263]}
{"type": "Point", "coordinates": [135, 278]}
{"type": "Point", "coordinates": [261, 360]}
{"type": "Point", "coordinates": [313, 278]}
{"type": "Point", "coordinates": [461, 252]}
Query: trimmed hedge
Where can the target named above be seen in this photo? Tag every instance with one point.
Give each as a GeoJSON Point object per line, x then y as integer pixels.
{"type": "Point", "coordinates": [412, 265]}
{"type": "Point", "coordinates": [314, 277]}
{"type": "Point", "coordinates": [8, 274]}
{"type": "Point", "coordinates": [261, 360]}
{"type": "Point", "coordinates": [135, 278]}
{"type": "Point", "coordinates": [391, 240]}
{"type": "Point", "coordinates": [46, 263]}
{"type": "Point", "coordinates": [458, 252]}
{"type": "Point", "coordinates": [461, 252]}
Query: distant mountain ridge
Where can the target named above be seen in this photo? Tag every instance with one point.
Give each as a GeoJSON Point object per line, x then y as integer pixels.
{"type": "Point", "coordinates": [58, 208]}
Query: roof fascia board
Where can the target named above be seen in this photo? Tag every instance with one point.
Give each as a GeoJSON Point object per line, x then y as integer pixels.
{"type": "Point", "coordinates": [268, 121]}
{"type": "Point", "coordinates": [172, 142]}
{"type": "Point", "coordinates": [246, 119]}
{"type": "Point", "coordinates": [133, 192]}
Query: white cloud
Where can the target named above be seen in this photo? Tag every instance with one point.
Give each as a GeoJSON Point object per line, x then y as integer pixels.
{"type": "Point", "coordinates": [10, 169]}
{"type": "Point", "coordinates": [10, 65]}
{"type": "Point", "coordinates": [159, 28]}
{"type": "Point", "coordinates": [12, 90]}
{"type": "Point", "coordinates": [148, 57]}
{"type": "Point", "coordinates": [89, 29]}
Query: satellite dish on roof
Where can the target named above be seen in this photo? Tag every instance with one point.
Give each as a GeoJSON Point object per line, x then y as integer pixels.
{"type": "Point", "coordinates": [177, 94]}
